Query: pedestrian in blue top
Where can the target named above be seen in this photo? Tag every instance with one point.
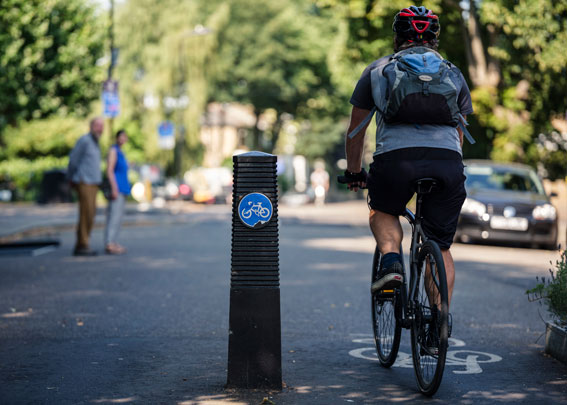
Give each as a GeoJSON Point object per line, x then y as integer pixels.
{"type": "Point", "coordinates": [117, 173]}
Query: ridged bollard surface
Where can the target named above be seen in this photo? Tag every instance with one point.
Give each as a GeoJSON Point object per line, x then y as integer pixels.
{"type": "Point", "coordinates": [254, 350]}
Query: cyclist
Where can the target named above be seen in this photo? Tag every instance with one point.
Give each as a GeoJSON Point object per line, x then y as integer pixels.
{"type": "Point", "coordinates": [408, 149]}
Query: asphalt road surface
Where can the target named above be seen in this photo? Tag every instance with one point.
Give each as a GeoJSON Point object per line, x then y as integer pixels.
{"type": "Point", "coordinates": [152, 326]}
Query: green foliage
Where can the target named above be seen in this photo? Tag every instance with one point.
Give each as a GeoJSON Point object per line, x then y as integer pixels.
{"type": "Point", "coordinates": [555, 164]}
{"type": "Point", "coordinates": [53, 136]}
{"type": "Point", "coordinates": [48, 54]}
{"type": "Point", "coordinates": [551, 150]}
{"type": "Point", "coordinates": [553, 291]}
{"type": "Point", "coordinates": [532, 35]}
{"type": "Point", "coordinates": [295, 62]}
{"type": "Point", "coordinates": [26, 175]}
{"type": "Point", "coordinates": [525, 38]}
{"type": "Point", "coordinates": [35, 147]}
{"type": "Point", "coordinates": [48, 75]}
{"type": "Point", "coordinates": [318, 138]}
{"type": "Point", "coordinates": [166, 53]}
{"type": "Point", "coordinates": [274, 56]}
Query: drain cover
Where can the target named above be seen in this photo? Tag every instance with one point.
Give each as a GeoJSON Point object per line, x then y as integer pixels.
{"type": "Point", "coordinates": [34, 247]}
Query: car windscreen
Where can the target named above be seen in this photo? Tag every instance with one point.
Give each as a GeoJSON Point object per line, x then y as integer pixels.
{"type": "Point", "coordinates": [502, 179]}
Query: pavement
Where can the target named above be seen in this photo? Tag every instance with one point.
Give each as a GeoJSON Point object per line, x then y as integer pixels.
{"type": "Point", "coordinates": [151, 326]}
{"type": "Point", "coordinates": [27, 220]}
{"type": "Point", "coordinates": [24, 220]}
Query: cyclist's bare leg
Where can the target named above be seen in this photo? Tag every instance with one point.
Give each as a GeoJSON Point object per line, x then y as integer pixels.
{"type": "Point", "coordinates": [450, 273]}
{"type": "Point", "coordinates": [388, 234]}
{"type": "Point", "coordinates": [387, 231]}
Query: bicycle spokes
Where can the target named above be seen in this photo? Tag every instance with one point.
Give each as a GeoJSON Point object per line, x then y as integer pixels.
{"type": "Point", "coordinates": [429, 330]}
{"type": "Point", "coordinates": [385, 317]}
{"type": "Point", "coordinates": [431, 281]}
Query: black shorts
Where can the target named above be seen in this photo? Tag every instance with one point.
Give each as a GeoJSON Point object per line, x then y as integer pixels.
{"type": "Point", "coordinates": [390, 187]}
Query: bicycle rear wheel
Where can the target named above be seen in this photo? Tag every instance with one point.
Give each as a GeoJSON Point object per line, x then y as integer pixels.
{"type": "Point", "coordinates": [429, 331]}
{"type": "Point", "coordinates": [386, 308]}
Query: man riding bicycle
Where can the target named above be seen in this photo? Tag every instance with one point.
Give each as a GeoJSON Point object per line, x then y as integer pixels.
{"type": "Point", "coordinates": [417, 136]}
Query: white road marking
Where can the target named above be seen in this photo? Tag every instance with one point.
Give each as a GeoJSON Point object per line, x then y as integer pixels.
{"type": "Point", "coordinates": [469, 359]}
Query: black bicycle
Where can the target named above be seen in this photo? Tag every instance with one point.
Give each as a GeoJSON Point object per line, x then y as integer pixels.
{"type": "Point", "coordinates": [421, 306]}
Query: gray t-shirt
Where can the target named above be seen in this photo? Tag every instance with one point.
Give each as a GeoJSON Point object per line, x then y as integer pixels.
{"type": "Point", "coordinates": [390, 137]}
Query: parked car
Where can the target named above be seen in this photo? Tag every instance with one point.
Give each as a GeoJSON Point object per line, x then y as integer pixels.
{"type": "Point", "coordinates": [506, 203]}
{"type": "Point", "coordinates": [210, 185]}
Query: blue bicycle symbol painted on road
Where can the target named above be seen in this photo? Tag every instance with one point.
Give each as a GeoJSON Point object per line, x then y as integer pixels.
{"type": "Point", "coordinates": [255, 210]}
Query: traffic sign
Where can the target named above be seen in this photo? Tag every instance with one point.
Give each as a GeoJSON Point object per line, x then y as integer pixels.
{"type": "Point", "coordinates": [110, 99]}
{"type": "Point", "coordinates": [166, 135]}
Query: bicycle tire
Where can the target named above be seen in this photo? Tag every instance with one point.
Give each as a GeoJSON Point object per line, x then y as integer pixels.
{"type": "Point", "coordinates": [428, 365]}
{"type": "Point", "coordinates": [385, 320]}
{"type": "Point", "coordinates": [266, 212]}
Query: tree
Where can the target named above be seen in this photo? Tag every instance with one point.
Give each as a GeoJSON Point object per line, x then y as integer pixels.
{"type": "Point", "coordinates": [531, 98]}
{"type": "Point", "coordinates": [167, 49]}
{"type": "Point", "coordinates": [48, 79]}
{"type": "Point", "coordinates": [274, 56]}
{"type": "Point", "coordinates": [510, 52]}
{"type": "Point", "coordinates": [48, 55]}
{"type": "Point", "coordinates": [36, 146]}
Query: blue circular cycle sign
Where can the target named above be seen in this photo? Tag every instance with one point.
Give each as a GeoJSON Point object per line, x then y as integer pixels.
{"type": "Point", "coordinates": [255, 210]}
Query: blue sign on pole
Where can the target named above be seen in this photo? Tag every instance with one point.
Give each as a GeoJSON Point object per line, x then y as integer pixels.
{"type": "Point", "coordinates": [166, 132]}
{"type": "Point", "coordinates": [255, 210]}
{"type": "Point", "coordinates": [110, 99]}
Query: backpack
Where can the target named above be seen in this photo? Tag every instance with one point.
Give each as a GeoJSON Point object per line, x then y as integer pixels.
{"type": "Point", "coordinates": [420, 90]}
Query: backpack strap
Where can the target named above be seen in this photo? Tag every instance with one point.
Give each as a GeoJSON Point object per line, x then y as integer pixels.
{"type": "Point", "coordinates": [364, 122]}
{"type": "Point", "coordinates": [418, 50]}
{"type": "Point", "coordinates": [462, 124]}
{"type": "Point", "coordinates": [375, 75]}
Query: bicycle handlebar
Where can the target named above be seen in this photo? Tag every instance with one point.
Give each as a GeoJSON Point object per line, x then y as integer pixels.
{"type": "Point", "coordinates": [346, 180]}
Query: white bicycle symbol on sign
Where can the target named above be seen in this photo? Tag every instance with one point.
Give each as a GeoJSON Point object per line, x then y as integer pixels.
{"type": "Point", "coordinates": [257, 209]}
{"type": "Point", "coordinates": [469, 359]}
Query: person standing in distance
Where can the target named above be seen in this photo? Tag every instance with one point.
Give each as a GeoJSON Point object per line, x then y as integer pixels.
{"type": "Point", "coordinates": [117, 173]}
{"type": "Point", "coordinates": [85, 176]}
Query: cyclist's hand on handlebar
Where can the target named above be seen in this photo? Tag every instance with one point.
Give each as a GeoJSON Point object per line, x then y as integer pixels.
{"type": "Point", "coordinates": [354, 181]}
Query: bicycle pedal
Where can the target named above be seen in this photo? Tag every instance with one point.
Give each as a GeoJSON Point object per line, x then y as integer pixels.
{"type": "Point", "coordinates": [385, 294]}
{"type": "Point", "coordinates": [433, 351]}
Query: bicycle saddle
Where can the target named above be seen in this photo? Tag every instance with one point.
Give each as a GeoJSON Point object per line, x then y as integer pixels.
{"type": "Point", "coordinates": [426, 185]}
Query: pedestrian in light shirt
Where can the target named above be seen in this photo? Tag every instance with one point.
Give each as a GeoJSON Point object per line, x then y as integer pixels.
{"type": "Point", "coordinates": [85, 176]}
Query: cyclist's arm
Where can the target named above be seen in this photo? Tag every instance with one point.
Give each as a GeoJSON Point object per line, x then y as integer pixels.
{"type": "Point", "coordinates": [460, 131]}
{"type": "Point", "coordinates": [355, 145]}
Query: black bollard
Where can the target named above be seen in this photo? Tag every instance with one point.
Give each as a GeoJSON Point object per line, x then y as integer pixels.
{"type": "Point", "coordinates": [254, 341]}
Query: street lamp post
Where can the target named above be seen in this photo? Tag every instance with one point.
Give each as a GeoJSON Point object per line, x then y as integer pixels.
{"type": "Point", "coordinates": [113, 57]}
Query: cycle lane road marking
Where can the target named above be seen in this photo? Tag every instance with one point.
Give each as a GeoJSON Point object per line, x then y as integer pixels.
{"type": "Point", "coordinates": [468, 360]}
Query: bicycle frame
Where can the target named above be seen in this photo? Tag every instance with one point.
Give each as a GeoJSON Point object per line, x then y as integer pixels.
{"type": "Point", "coordinates": [416, 304]}
{"type": "Point", "coordinates": [408, 293]}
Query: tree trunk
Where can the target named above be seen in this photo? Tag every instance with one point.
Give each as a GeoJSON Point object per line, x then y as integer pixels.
{"type": "Point", "coordinates": [484, 70]}
{"type": "Point", "coordinates": [256, 131]}
{"type": "Point", "coordinates": [276, 130]}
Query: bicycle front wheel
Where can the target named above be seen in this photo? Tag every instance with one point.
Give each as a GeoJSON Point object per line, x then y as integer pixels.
{"type": "Point", "coordinates": [429, 331]}
{"type": "Point", "coordinates": [386, 308]}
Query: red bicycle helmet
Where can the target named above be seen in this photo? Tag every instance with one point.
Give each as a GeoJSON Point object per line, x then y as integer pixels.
{"type": "Point", "coordinates": [416, 24]}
